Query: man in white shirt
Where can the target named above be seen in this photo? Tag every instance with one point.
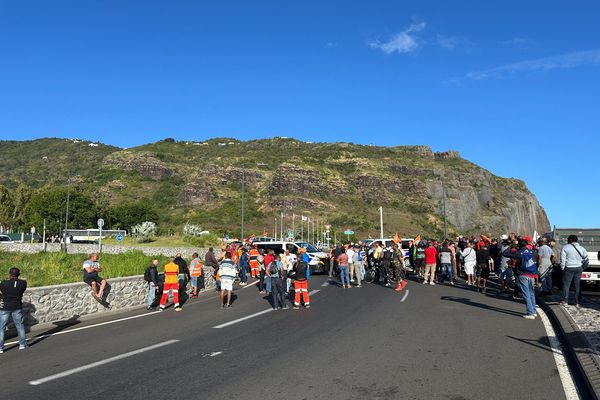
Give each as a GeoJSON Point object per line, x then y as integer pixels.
{"type": "Point", "coordinates": [351, 267]}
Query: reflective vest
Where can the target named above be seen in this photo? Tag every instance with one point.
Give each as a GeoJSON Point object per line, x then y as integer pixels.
{"type": "Point", "coordinates": [253, 255]}
{"type": "Point", "coordinates": [171, 272]}
{"type": "Point", "coordinates": [196, 268]}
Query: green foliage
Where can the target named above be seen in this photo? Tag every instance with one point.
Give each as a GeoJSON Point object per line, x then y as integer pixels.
{"type": "Point", "coordinates": [210, 239]}
{"type": "Point", "coordinates": [44, 269]}
{"type": "Point", "coordinates": [126, 215]}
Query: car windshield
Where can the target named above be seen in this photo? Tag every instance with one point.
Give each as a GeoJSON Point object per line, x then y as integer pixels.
{"type": "Point", "coordinates": [309, 247]}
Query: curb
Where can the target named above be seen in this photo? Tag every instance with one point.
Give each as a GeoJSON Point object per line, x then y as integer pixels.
{"type": "Point", "coordinates": [578, 347]}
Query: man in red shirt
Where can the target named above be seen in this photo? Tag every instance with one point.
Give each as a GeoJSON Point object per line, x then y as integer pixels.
{"type": "Point", "coordinates": [430, 263]}
{"type": "Point", "coordinates": [269, 258]}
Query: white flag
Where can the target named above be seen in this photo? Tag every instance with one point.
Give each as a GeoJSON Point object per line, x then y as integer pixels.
{"type": "Point", "coordinates": [304, 218]}
{"type": "Point", "coordinates": [536, 237]}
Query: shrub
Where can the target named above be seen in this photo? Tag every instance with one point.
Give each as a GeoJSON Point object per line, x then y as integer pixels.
{"type": "Point", "coordinates": [144, 232]}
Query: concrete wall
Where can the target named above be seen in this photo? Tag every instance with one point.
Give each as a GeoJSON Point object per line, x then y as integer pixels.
{"type": "Point", "coordinates": [62, 303]}
{"type": "Point", "coordinates": [76, 248]}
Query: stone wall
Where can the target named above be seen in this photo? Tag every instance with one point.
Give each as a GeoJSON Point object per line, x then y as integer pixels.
{"type": "Point", "coordinates": [76, 248]}
{"type": "Point", "coordinates": [66, 303]}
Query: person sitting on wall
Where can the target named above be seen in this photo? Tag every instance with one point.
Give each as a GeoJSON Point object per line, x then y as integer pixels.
{"type": "Point", "coordinates": [91, 268]}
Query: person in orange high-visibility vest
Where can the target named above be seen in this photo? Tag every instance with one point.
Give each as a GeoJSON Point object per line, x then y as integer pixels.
{"type": "Point", "coordinates": [196, 272]}
{"type": "Point", "coordinates": [171, 283]}
{"type": "Point", "coordinates": [253, 255]}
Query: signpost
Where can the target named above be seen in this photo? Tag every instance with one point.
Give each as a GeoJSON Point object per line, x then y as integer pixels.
{"type": "Point", "coordinates": [119, 237]}
{"type": "Point", "coordinates": [348, 232]}
{"type": "Point", "coordinates": [100, 225]}
{"type": "Point", "coordinates": [32, 233]}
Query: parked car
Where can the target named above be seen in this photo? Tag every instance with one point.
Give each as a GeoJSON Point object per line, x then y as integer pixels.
{"type": "Point", "coordinates": [6, 239]}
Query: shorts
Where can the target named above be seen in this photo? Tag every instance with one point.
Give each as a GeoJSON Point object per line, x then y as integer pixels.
{"type": "Point", "coordinates": [483, 271]}
{"type": "Point", "coordinates": [226, 284]}
{"type": "Point", "coordinates": [194, 281]}
{"type": "Point", "coordinates": [89, 279]}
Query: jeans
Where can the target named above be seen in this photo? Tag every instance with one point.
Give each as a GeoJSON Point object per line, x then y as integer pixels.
{"type": "Point", "coordinates": [546, 278]}
{"type": "Point", "coordinates": [278, 292]}
{"type": "Point", "coordinates": [268, 284]}
{"type": "Point", "coordinates": [331, 267]}
{"type": "Point", "coordinates": [572, 274]}
{"type": "Point", "coordinates": [243, 273]}
{"type": "Point", "coordinates": [446, 272]}
{"type": "Point", "coordinates": [527, 288]}
{"type": "Point", "coordinates": [17, 317]}
{"type": "Point", "coordinates": [344, 277]}
{"type": "Point", "coordinates": [151, 294]}
{"type": "Point", "coordinates": [261, 281]}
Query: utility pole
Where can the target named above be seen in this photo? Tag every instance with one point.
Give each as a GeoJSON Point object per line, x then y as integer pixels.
{"type": "Point", "coordinates": [243, 186]}
{"type": "Point", "coordinates": [444, 205]}
{"type": "Point", "coordinates": [67, 216]}
{"type": "Point", "coordinates": [294, 226]}
{"type": "Point", "coordinates": [381, 221]}
{"type": "Point", "coordinates": [275, 228]}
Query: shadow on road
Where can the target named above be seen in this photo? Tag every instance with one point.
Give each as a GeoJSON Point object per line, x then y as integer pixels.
{"type": "Point", "coordinates": [469, 302]}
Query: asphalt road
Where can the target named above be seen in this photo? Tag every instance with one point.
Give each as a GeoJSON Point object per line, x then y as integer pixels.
{"type": "Point", "coordinates": [442, 342]}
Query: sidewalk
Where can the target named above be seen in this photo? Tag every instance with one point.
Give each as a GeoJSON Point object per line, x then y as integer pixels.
{"type": "Point", "coordinates": [580, 328]}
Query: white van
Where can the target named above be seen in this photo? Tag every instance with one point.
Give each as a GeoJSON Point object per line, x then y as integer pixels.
{"type": "Point", "coordinates": [318, 259]}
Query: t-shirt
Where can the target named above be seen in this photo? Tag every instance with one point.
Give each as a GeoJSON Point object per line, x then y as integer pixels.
{"type": "Point", "coordinates": [292, 259]}
{"type": "Point", "coordinates": [12, 294]}
{"type": "Point", "coordinates": [350, 254]}
{"type": "Point", "coordinates": [445, 255]}
{"type": "Point", "coordinates": [483, 254]}
{"type": "Point", "coordinates": [343, 259]}
{"type": "Point", "coordinates": [469, 256]}
{"type": "Point", "coordinates": [430, 255]}
{"type": "Point", "coordinates": [91, 264]}
{"type": "Point", "coordinates": [227, 271]}
{"type": "Point", "coordinates": [268, 260]}
{"type": "Point", "coordinates": [545, 252]}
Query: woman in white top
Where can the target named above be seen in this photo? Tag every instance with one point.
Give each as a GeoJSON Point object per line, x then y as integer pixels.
{"type": "Point", "coordinates": [469, 257]}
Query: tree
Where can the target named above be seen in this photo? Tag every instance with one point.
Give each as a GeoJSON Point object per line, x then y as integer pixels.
{"type": "Point", "coordinates": [126, 215]}
{"type": "Point", "coordinates": [6, 206]}
{"type": "Point", "coordinates": [20, 215]}
{"type": "Point", "coordinates": [50, 203]}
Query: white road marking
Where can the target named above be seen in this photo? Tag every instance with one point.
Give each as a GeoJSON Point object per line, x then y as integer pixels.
{"type": "Point", "coordinates": [313, 292]}
{"type": "Point", "coordinates": [235, 321]}
{"type": "Point", "coordinates": [405, 296]}
{"type": "Point", "coordinates": [325, 284]}
{"type": "Point", "coordinates": [561, 364]}
{"type": "Point", "coordinates": [33, 339]}
{"type": "Point", "coordinates": [250, 284]}
{"type": "Point", "coordinates": [213, 354]}
{"type": "Point", "coordinates": [99, 363]}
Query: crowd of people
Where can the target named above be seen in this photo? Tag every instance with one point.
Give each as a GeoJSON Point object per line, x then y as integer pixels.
{"type": "Point", "coordinates": [519, 266]}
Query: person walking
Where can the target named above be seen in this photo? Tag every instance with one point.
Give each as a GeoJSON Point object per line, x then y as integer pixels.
{"type": "Point", "coordinates": [151, 276]}
{"type": "Point", "coordinates": [398, 267]}
{"type": "Point", "coordinates": [243, 264]}
{"type": "Point", "coordinates": [342, 261]}
{"type": "Point", "coordinates": [573, 259]}
{"type": "Point", "coordinates": [545, 258]}
{"type": "Point", "coordinates": [171, 284]}
{"type": "Point", "coordinates": [227, 273]}
{"type": "Point", "coordinates": [11, 306]}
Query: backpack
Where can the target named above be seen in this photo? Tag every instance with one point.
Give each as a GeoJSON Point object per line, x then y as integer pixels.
{"type": "Point", "coordinates": [528, 263]}
{"type": "Point", "coordinates": [359, 256]}
{"type": "Point", "coordinates": [147, 276]}
{"type": "Point", "coordinates": [273, 269]}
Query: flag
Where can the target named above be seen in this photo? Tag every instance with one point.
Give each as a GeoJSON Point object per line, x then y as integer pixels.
{"type": "Point", "coordinates": [397, 238]}
{"type": "Point", "coordinates": [536, 237]}
{"type": "Point", "coordinates": [417, 239]}
{"type": "Point", "coordinates": [304, 218]}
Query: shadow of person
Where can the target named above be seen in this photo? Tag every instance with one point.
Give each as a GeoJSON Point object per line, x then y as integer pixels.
{"type": "Point", "coordinates": [472, 303]}
{"type": "Point", "coordinates": [59, 326]}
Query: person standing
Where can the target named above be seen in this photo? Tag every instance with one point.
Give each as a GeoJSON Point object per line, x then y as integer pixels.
{"type": "Point", "coordinates": [275, 272]}
{"type": "Point", "coordinates": [342, 261]}
{"type": "Point", "coordinates": [446, 263]}
{"type": "Point", "coordinates": [151, 276]}
{"type": "Point", "coordinates": [357, 261]}
{"type": "Point", "coordinates": [545, 256]}
{"type": "Point", "coordinates": [227, 273]}
{"type": "Point", "coordinates": [183, 277]}
{"type": "Point", "coordinates": [11, 306]}
{"type": "Point", "coordinates": [483, 265]}
{"type": "Point", "coordinates": [253, 261]}
{"type": "Point", "coordinates": [526, 268]}
{"type": "Point", "coordinates": [260, 260]}
{"type": "Point", "coordinates": [430, 264]}
{"type": "Point", "coordinates": [350, 253]}
{"type": "Point", "coordinates": [301, 276]}
{"type": "Point", "coordinates": [196, 272]}
{"type": "Point", "coordinates": [470, 260]}
{"type": "Point", "coordinates": [243, 264]}
{"type": "Point", "coordinates": [171, 284]}
{"type": "Point", "coordinates": [572, 260]}
{"type": "Point", "coordinates": [269, 258]}
{"type": "Point", "coordinates": [398, 267]}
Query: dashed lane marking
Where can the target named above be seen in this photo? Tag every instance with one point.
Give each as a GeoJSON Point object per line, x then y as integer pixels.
{"type": "Point", "coordinates": [235, 321]}
{"type": "Point", "coordinates": [99, 363]}
{"type": "Point", "coordinates": [405, 296]}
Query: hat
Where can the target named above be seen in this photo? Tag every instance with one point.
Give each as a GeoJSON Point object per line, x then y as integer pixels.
{"type": "Point", "coordinates": [504, 236]}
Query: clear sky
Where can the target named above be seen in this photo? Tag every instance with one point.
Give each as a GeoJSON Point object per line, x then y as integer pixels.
{"type": "Point", "coordinates": [513, 85]}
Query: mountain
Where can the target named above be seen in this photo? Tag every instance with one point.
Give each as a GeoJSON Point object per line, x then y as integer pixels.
{"type": "Point", "coordinates": [343, 184]}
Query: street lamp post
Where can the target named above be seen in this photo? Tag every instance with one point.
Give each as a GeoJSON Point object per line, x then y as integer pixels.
{"type": "Point", "coordinates": [243, 186]}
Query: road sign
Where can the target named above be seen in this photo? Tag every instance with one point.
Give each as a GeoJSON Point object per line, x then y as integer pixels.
{"type": "Point", "coordinates": [100, 222]}
{"type": "Point", "coordinates": [32, 230]}
{"type": "Point", "coordinates": [226, 237]}
{"type": "Point", "coordinates": [348, 232]}
{"type": "Point", "coordinates": [290, 233]}
{"type": "Point", "coordinates": [119, 237]}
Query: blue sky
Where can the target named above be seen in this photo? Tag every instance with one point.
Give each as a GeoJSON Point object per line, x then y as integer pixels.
{"type": "Point", "coordinates": [514, 86]}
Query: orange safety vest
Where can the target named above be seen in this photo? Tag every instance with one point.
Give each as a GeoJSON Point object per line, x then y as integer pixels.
{"type": "Point", "coordinates": [171, 272]}
{"type": "Point", "coordinates": [197, 271]}
{"type": "Point", "coordinates": [252, 255]}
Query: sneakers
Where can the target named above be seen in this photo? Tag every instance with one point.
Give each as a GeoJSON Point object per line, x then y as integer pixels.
{"type": "Point", "coordinates": [432, 283]}
{"type": "Point", "coordinates": [451, 283]}
{"type": "Point", "coordinates": [424, 282]}
{"type": "Point", "coordinates": [296, 307]}
{"type": "Point", "coordinates": [228, 305]}
{"type": "Point", "coordinates": [22, 347]}
{"type": "Point", "coordinates": [307, 306]}
{"type": "Point", "coordinates": [178, 308]}
{"type": "Point", "coordinates": [162, 308]}
{"type": "Point", "coordinates": [1, 351]}
{"type": "Point", "coordinates": [563, 303]}
{"type": "Point", "coordinates": [529, 316]}
{"type": "Point", "coordinates": [243, 283]}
